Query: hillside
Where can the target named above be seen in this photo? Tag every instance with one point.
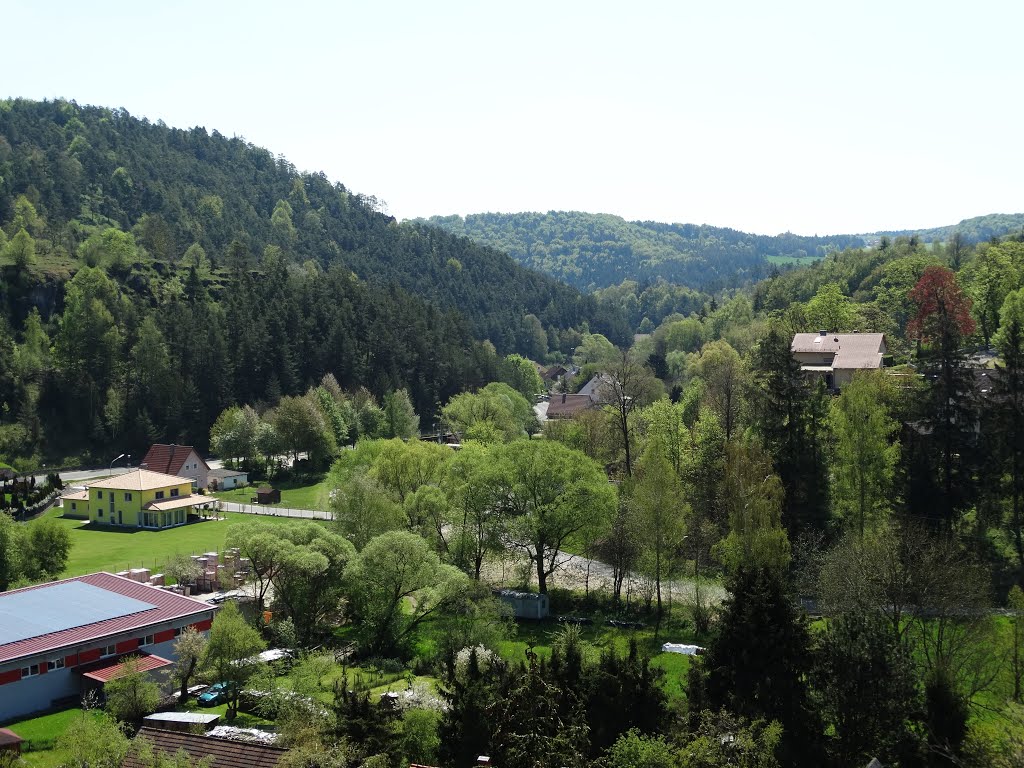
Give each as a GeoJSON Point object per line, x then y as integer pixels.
{"type": "Point", "coordinates": [87, 167]}
{"type": "Point", "coordinates": [593, 251]}
{"type": "Point", "coordinates": [973, 230]}
{"type": "Point", "coordinates": [151, 276]}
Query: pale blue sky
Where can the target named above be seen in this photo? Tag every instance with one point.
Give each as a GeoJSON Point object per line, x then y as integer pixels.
{"type": "Point", "coordinates": [816, 117]}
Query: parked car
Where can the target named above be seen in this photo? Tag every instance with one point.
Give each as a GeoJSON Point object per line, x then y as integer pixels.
{"type": "Point", "coordinates": [215, 694]}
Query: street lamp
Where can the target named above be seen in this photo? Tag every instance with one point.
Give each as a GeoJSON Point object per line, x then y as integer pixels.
{"type": "Point", "coordinates": [117, 458]}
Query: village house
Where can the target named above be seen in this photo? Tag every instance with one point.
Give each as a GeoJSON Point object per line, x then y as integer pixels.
{"type": "Point", "coordinates": [835, 357]}
{"type": "Point", "coordinates": [137, 499]}
{"type": "Point", "coordinates": [178, 460]}
{"type": "Point", "coordinates": [564, 406]}
{"type": "Point", "coordinates": [227, 479]}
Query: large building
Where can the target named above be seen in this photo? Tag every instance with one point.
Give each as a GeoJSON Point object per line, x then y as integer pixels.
{"type": "Point", "coordinates": [137, 499]}
{"type": "Point", "coordinates": [61, 639]}
{"type": "Point", "coordinates": [837, 356]}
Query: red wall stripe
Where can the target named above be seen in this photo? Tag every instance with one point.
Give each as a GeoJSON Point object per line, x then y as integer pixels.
{"type": "Point", "coordinates": [163, 637]}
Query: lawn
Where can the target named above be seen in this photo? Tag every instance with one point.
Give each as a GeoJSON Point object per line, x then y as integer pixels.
{"type": "Point", "coordinates": [101, 548]}
{"type": "Point", "coordinates": [294, 495]}
{"type": "Point", "coordinates": [41, 734]}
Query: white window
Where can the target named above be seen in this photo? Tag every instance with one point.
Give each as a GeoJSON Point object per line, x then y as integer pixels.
{"type": "Point", "coordinates": [147, 640]}
{"type": "Point", "coordinates": [177, 631]}
{"type": "Point", "coordinates": [53, 664]}
{"type": "Point", "coordinates": [109, 650]}
{"type": "Point", "coordinates": [31, 671]}
{"type": "Point", "coordinates": [174, 491]}
{"type": "Point", "coordinates": [99, 494]}
{"type": "Point", "coordinates": [159, 494]}
{"type": "Point", "coordinates": [127, 497]}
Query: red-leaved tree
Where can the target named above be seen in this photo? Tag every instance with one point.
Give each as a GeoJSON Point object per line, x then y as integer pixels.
{"type": "Point", "coordinates": [943, 310]}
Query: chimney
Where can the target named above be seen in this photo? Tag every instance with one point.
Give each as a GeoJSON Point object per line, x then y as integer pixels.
{"type": "Point", "coordinates": [483, 760]}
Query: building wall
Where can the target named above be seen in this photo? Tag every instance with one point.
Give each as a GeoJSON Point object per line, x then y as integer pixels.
{"type": "Point", "coordinates": [20, 696]}
{"type": "Point", "coordinates": [814, 358]}
{"type": "Point", "coordinates": [127, 508]}
{"type": "Point", "coordinates": [195, 469]}
{"type": "Point", "coordinates": [227, 483]}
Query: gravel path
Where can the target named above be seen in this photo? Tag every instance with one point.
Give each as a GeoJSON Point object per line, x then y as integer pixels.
{"type": "Point", "coordinates": [576, 572]}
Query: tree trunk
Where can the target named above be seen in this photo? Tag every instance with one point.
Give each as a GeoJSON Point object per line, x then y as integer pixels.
{"type": "Point", "coordinates": [183, 694]}
{"type": "Point", "coordinates": [657, 581]}
{"type": "Point", "coordinates": [542, 576]}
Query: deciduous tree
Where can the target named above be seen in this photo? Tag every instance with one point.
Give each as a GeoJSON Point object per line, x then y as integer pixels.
{"type": "Point", "coordinates": [394, 585]}
{"type": "Point", "coordinates": [864, 450]}
{"type": "Point", "coordinates": [549, 494]}
{"type": "Point", "coordinates": [233, 643]}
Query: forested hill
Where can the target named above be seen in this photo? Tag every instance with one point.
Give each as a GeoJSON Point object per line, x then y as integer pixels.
{"type": "Point", "coordinates": [974, 230]}
{"type": "Point", "coordinates": [151, 277]}
{"type": "Point", "coordinates": [593, 251]}
{"type": "Point", "coordinates": [85, 167]}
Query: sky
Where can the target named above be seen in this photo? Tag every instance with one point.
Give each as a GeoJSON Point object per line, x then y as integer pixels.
{"type": "Point", "coordinates": [810, 117]}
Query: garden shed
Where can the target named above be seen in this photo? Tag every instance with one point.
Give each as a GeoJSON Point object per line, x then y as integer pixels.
{"type": "Point", "coordinates": [267, 495]}
{"type": "Point", "coordinates": [525, 605]}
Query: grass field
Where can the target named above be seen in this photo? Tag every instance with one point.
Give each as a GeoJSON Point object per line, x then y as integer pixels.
{"type": "Point", "coordinates": [294, 495]}
{"type": "Point", "coordinates": [101, 548]}
{"type": "Point", "coordinates": [41, 734]}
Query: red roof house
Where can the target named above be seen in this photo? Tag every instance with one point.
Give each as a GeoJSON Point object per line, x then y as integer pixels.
{"type": "Point", "coordinates": [177, 460]}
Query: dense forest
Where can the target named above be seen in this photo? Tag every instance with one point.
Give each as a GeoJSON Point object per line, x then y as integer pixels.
{"type": "Point", "coordinates": [593, 251]}
{"type": "Point", "coordinates": [152, 276]}
{"type": "Point", "coordinates": [973, 230]}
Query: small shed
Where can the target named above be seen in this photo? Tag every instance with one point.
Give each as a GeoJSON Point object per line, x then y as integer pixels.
{"type": "Point", "coordinates": [267, 495]}
{"type": "Point", "coordinates": [10, 741]}
{"type": "Point", "coordinates": [189, 722]}
{"type": "Point", "coordinates": [525, 605]}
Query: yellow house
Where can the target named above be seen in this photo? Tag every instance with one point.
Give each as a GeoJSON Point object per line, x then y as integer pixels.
{"type": "Point", "coordinates": [143, 499]}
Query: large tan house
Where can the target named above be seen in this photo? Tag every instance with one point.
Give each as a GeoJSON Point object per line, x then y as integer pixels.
{"type": "Point", "coordinates": [837, 356]}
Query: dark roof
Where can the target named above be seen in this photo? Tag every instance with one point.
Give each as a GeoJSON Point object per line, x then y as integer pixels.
{"type": "Point", "coordinates": [166, 605]}
{"type": "Point", "coordinates": [566, 406]}
{"type": "Point", "coordinates": [225, 752]}
{"type": "Point", "coordinates": [169, 459]}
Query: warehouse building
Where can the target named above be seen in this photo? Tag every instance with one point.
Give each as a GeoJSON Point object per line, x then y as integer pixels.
{"type": "Point", "coordinates": [59, 640]}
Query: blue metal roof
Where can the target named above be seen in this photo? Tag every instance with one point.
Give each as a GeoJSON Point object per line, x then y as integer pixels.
{"type": "Point", "coordinates": [67, 605]}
